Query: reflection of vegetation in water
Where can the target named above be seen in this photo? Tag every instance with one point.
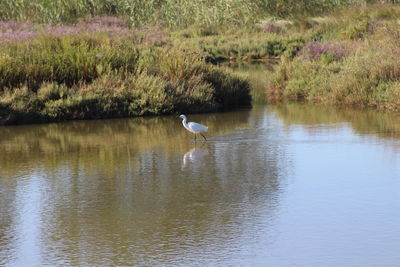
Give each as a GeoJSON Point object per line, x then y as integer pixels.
{"type": "Point", "coordinates": [109, 141]}
{"type": "Point", "coordinates": [362, 121]}
{"type": "Point", "coordinates": [256, 73]}
{"type": "Point", "coordinates": [136, 188]}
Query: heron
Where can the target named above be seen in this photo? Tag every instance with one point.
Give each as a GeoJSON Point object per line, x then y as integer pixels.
{"type": "Point", "coordinates": [194, 127]}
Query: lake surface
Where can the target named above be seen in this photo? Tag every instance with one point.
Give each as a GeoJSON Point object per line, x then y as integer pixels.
{"type": "Point", "coordinates": [287, 185]}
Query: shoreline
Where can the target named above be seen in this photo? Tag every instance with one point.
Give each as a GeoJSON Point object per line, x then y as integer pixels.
{"type": "Point", "coordinates": [104, 68]}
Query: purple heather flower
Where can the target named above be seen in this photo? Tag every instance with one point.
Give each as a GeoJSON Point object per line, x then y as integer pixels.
{"type": "Point", "coordinates": [14, 31]}
{"type": "Point", "coordinates": [108, 21]}
{"type": "Point", "coordinates": [314, 50]}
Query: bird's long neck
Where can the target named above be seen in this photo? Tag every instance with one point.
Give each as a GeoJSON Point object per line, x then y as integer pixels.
{"type": "Point", "coordinates": [184, 122]}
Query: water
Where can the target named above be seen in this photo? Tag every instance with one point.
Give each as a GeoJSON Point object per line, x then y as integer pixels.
{"type": "Point", "coordinates": [257, 75]}
{"type": "Point", "coordinates": [287, 185]}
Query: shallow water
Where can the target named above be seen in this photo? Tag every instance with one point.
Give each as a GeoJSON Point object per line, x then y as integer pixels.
{"type": "Point", "coordinates": [257, 74]}
{"type": "Point", "coordinates": [286, 185]}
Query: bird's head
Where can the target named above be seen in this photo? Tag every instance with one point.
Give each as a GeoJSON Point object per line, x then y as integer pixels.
{"type": "Point", "coordinates": [182, 116]}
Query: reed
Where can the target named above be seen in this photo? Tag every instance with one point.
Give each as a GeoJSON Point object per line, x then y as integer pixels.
{"type": "Point", "coordinates": [169, 12]}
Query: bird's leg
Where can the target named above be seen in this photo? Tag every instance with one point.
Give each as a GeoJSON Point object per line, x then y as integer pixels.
{"type": "Point", "coordinates": [203, 136]}
{"type": "Point", "coordinates": [195, 137]}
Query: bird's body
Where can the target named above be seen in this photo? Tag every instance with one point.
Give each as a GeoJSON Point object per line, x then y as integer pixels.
{"type": "Point", "coordinates": [194, 127]}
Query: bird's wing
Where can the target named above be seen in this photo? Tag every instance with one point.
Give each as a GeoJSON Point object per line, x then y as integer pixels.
{"type": "Point", "coordinates": [197, 127]}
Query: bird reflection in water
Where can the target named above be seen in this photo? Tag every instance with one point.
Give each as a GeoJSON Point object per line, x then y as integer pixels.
{"type": "Point", "coordinates": [194, 156]}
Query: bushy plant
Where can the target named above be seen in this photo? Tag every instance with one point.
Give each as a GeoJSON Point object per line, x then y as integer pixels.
{"type": "Point", "coordinates": [55, 78]}
{"type": "Point", "coordinates": [287, 47]}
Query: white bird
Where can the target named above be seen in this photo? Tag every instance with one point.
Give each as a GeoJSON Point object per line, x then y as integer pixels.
{"type": "Point", "coordinates": [194, 127]}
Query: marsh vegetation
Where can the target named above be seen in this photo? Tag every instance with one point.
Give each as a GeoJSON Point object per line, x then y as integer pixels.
{"type": "Point", "coordinates": [97, 59]}
{"type": "Point", "coordinates": [88, 71]}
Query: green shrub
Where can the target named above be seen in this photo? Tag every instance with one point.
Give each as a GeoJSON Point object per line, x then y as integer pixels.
{"type": "Point", "coordinates": [77, 77]}
{"type": "Point", "coordinates": [287, 47]}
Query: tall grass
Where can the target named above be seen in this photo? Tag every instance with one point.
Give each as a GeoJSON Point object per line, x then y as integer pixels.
{"type": "Point", "coordinates": [137, 12]}
{"type": "Point", "coordinates": [170, 12]}
{"type": "Point", "coordinates": [64, 60]}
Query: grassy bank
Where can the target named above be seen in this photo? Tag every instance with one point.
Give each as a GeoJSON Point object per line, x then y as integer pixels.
{"type": "Point", "coordinates": [55, 76]}
{"type": "Point", "coordinates": [352, 59]}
